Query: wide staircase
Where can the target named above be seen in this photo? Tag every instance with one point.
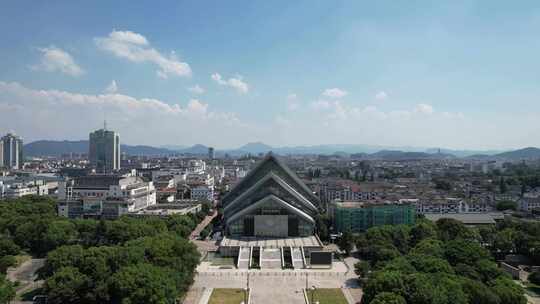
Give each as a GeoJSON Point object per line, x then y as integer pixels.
{"type": "Point", "coordinates": [271, 258]}
{"type": "Point", "coordinates": [243, 257]}
{"type": "Point", "coordinates": [255, 261]}
{"type": "Point", "coordinates": [297, 258]}
{"type": "Point", "coordinates": [287, 257]}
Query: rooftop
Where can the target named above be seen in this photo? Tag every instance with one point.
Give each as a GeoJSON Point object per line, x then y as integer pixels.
{"type": "Point", "coordinates": [269, 242]}
{"type": "Point", "coordinates": [377, 203]}
{"type": "Point", "coordinates": [467, 218]}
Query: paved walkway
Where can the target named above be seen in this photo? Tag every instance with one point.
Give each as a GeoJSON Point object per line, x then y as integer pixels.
{"type": "Point", "coordinates": [278, 286]}
{"type": "Point", "coordinates": [206, 295]}
{"type": "Point", "coordinates": [25, 274]}
{"type": "Point", "coordinates": [195, 233]}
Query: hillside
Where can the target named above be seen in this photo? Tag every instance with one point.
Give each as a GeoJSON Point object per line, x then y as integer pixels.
{"type": "Point", "coordinates": [525, 153]}
{"type": "Point", "coordinates": [57, 148]}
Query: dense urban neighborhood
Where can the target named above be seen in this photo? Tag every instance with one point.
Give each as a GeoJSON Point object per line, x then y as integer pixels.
{"type": "Point", "coordinates": [106, 226]}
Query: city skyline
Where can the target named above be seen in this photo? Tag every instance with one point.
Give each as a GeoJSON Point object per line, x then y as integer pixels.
{"type": "Point", "coordinates": [458, 75]}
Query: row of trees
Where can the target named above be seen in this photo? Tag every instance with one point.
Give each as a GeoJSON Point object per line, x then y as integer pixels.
{"type": "Point", "coordinates": [513, 236]}
{"type": "Point", "coordinates": [155, 269]}
{"type": "Point", "coordinates": [431, 263]}
{"type": "Point", "coordinates": [129, 260]}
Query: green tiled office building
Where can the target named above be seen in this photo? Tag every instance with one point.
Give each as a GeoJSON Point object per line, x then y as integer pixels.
{"type": "Point", "coordinates": [360, 216]}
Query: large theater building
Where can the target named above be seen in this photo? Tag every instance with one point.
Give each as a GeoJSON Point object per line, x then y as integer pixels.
{"type": "Point", "coordinates": [270, 219]}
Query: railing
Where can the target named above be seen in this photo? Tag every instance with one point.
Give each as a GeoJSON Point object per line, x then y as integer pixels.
{"type": "Point", "coordinates": [264, 273]}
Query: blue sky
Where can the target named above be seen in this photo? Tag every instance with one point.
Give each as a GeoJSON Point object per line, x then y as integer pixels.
{"type": "Point", "coordinates": [460, 74]}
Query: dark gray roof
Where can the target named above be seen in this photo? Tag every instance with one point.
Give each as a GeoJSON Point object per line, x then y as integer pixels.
{"type": "Point", "coordinates": [465, 218]}
{"type": "Point", "coordinates": [270, 164]}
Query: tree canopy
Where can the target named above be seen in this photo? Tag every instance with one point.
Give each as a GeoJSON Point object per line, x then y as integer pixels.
{"type": "Point", "coordinates": [128, 260]}
{"type": "Point", "coordinates": [429, 263]}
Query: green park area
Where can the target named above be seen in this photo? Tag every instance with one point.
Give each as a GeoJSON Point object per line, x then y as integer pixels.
{"type": "Point", "coordinates": [228, 296]}
{"type": "Point", "coordinates": [326, 296]}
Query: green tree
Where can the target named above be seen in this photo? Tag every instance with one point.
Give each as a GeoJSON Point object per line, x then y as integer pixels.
{"type": "Point", "coordinates": [504, 240]}
{"type": "Point", "coordinates": [382, 253]}
{"type": "Point", "coordinates": [67, 285]}
{"type": "Point", "coordinates": [322, 221]}
{"type": "Point", "coordinates": [463, 251]}
{"type": "Point", "coordinates": [143, 284]}
{"type": "Point", "coordinates": [423, 230]}
{"type": "Point", "coordinates": [345, 242]}
{"type": "Point", "coordinates": [487, 234]}
{"type": "Point", "coordinates": [59, 233]}
{"type": "Point", "coordinates": [506, 205]}
{"type": "Point", "coordinates": [450, 229]}
{"type": "Point", "coordinates": [478, 293]}
{"type": "Point", "coordinates": [8, 247]}
{"type": "Point", "coordinates": [384, 281]}
{"type": "Point", "coordinates": [434, 288]}
{"type": "Point", "coordinates": [399, 264]}
{"type": "Point", "coordinates": [362, 269]}
{"type": "Point", "coordinates": [441, 184]}
{"type": "Point", "coordinates": [534, 277]}
{"type": "Point", "coordinates": [430, 264]}
{"type": "Point", "coordinates": [431, 247]}
{"type": "Point", "coordinates": [488, 270]}
{"type": "Point", "coordinates": [508, 291]}
{"type": "Point", "coordinates": [6, 262]}
{"type": "Point", "coordinates": [65, 256]}
{"type": "Point", "coordinates": [502, 185]}
{"type": "Point", "coordinates": [7, 291]}
{"type": "Point", "coordinates": [388, 298]}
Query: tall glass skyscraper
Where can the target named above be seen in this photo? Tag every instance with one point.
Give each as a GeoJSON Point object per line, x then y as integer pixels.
{"type": "Point", "coordinates": [104, 151]}
{"type": "Point", "coordinates": [11, 150]}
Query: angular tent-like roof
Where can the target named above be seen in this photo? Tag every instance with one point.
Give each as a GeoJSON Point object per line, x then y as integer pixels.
{"type": "Point", "coordinates": [259, 187]}
{"type": "Point", "coordinates": [277, 200]}
{"type": "Point", "coordinates": [270, 164]}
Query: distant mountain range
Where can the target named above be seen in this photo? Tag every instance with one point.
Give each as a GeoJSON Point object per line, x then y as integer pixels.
{"type": "Point", "coordinates": [525, 153]}
{"type": "Point", "coordinates": [57, 148]}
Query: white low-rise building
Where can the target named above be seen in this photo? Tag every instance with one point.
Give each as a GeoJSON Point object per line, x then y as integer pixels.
{"type": "Point", "coordinates": [529, 202]}
{"type": "Point", "coordinates": [452, 205]}
{"type": "Point", "coordinates": [114, 195]}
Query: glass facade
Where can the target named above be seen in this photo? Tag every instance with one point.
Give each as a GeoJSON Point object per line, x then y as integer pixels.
{"type": "Point", "coordinates": [358, 219]}
{"type": "Point", "coordinates": [297, 226]}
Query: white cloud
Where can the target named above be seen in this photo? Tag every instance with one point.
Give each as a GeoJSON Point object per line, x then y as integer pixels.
{"type": "Point", "coordinates": [292, 102]}
{"type": "Point", "coordinates": [424, 109]}
{"type": "Point", "coordinates": [282, 121]}
{"type": "Point", "coordinates": [335, 93]}
{"type": "Point", "coordinates": [136, 48]}
{"type": "Point", "coordinates": [196, 89]}
{"type": "Point", "coordinates": [381, 95]}
{"type": "Point", "coordinates": [292, 96]}
{"type": "Point", "coordinates": [128, 37]}
{"type": "Point", "coordinates": [54, 114]}
{"type": "Point", "coordinates": [320, 104]}
{"type": "Point", "coordinates": [236, 83]}
{"type": "Point", "coordinates": [54, 59]}
{"type": "Point", "coordinates": [451, 115]}
{"type": "Point", "coordinates": [112, 88]}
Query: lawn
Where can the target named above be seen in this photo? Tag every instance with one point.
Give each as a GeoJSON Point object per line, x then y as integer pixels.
{"type": "Point", "coordinates": [227, 296]}
{"type": "Point", "coordinates": [327, 296]}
